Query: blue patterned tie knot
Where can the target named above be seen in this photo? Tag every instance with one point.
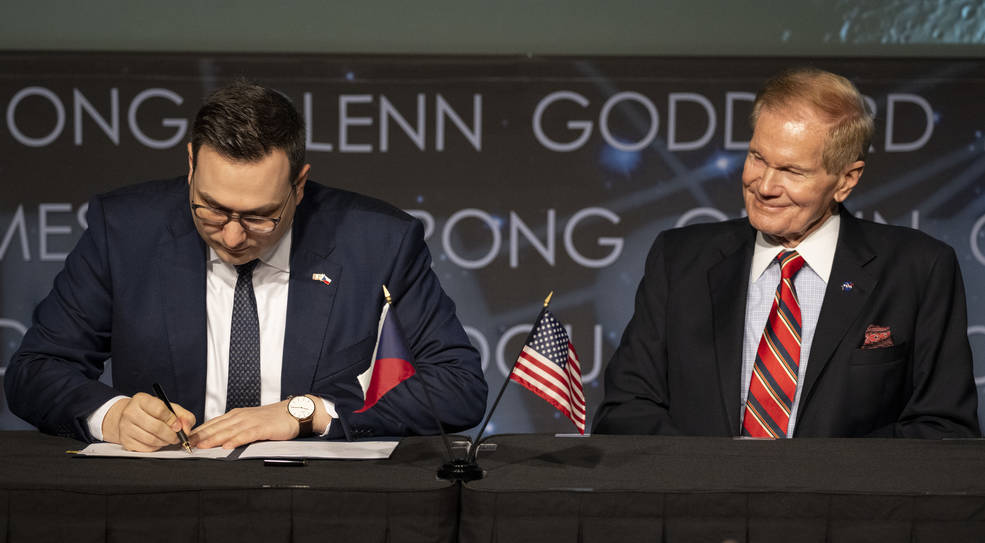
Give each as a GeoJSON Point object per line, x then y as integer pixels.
{"type": "Point", "coordinates": [247, 268]}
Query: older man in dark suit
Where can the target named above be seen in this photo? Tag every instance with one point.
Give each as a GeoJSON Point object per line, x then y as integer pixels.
{"type": "Point", "coordinates": [800, 320]}
{"type": "Point", "coordinates": [250, 293]}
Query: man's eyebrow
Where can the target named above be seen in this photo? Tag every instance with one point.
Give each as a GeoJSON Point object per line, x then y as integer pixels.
{"type": "Point", "coordinates": [796, 168]}
{"type": "Point", "coordinates": [793, 167]}
{"type": "Point", "coordinates": [261, 211]}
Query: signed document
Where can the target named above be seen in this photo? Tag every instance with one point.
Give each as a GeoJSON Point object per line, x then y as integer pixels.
{"type": "Point", "coordinates": [338, 450]}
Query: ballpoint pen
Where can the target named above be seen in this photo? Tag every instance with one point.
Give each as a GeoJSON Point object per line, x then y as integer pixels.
{"type": "Point", "coordinates": [181, 433]}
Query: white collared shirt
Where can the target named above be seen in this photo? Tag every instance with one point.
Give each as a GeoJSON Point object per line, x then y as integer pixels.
{"type": "Point", "coordinates": [271, 278]}
{"type": "Point", "coordinates": [818, 250]}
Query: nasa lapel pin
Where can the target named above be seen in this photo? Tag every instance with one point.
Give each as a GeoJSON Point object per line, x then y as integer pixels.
{"type": "Point", "coordinates": [321, 277]}
{"type": "Point", "coordinates": [847, 286]}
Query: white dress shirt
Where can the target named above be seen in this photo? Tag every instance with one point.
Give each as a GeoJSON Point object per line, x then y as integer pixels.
{"type": "Point", "coordinates": [818, 250]}
{"type": "Point", "coordinates": [271, 280]}
{"type": "Point", "coordinates": [270, 287]}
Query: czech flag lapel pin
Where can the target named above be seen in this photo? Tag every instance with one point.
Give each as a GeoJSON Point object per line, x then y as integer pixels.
{"type": "Point", "coordinates": [321, 277]}
{"type": "Point", "coordinates": [847, 286]}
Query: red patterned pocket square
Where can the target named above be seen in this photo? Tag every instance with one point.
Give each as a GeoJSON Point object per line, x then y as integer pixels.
{"type": "Point", "coordinates": [877, 337]}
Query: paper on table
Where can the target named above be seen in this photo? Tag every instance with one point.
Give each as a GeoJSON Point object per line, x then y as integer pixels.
{"type": "Point", "coordinates": [341, 450]}
{"type": "Point", "coordinates": [170, 452]}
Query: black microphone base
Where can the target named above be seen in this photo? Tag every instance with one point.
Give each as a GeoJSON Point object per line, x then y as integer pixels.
{"type": "Point", "coordinates": [460, 469]}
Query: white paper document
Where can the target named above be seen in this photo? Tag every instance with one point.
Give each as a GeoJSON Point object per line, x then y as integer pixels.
{"type": "Point", "coordinates": [171, 452]}
{"type": "Point", "coordinates": [338, 450]}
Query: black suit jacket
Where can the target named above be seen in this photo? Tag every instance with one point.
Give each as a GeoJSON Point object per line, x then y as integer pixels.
{"type": "Point", "coordinates": [678, 367]}
{"type": "Point", "coordinates": [133, 290]}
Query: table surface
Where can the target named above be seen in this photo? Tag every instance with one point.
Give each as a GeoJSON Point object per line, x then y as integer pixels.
{"type": "Point", "coordinates": [537, 462]}
{"type": "Point", "coordinates": [33, 461]}
{"type": "Point", "coordinates": [688, 464]}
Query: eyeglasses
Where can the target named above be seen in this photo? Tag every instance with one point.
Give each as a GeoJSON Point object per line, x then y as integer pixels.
{"type": "Point", "coordinates": [218, 218]}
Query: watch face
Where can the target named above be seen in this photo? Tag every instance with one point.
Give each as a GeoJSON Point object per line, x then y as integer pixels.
{"type": "Point", "coordinates": [301, 407]}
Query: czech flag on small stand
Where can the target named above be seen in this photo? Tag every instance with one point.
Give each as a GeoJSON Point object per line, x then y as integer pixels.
{"type": "Point", "coordinates": [392, 363]}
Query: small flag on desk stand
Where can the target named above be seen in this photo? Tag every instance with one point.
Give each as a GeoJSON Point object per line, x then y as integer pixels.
{"type": "Point", "coordinates": [391, 363]}
{"type": "Point", "coordinates": [548, 366]}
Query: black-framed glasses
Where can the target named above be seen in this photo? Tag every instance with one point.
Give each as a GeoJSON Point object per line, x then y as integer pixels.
{"type": "Point", "coordinates": [218, 218]}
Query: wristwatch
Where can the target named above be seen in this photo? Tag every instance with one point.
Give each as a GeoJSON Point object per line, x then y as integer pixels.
{"type": "Point", "coordinates": [303, 409]}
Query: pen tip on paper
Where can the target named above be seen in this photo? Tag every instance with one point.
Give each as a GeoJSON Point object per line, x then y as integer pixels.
{"type": "Point", "coordinates": [187, 448]}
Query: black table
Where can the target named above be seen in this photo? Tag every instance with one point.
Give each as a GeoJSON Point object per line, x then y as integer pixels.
{"type": "Point", "coordinates": [537, 488]}
{"type": "Point", "coordinates": [48, 495]}
{"type": "Point", "coordinates": [636, 488]}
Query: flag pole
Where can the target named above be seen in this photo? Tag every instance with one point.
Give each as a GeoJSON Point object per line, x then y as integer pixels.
{"type": "Point", "coordinates": [427, 392]}
{"type": "Point", "coordinates": [482, 429]}
{"type": "Point", "coordinates": [454, 468]}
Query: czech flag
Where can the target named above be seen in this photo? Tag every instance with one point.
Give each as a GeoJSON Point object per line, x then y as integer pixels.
{"type": "Point", "coordinates": [392, 362]}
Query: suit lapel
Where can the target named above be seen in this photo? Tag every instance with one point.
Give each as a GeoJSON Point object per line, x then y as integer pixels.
{"type": "Point", "coordinates": [841, 306]}
{"type": "Point", "coordinates": [181, 265]}
{"type": "Point", "coordinates": [728, 282]}
{"type": "Point", "coordinates": [309, 301]}
{"type": "Point", "coordinates": [309, 306]}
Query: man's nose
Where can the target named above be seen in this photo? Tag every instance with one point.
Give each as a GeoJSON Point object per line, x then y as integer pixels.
{"type": "Point", "coordinates": [769, 182]}
{"type": "Point", "coordinates": [233, 234]}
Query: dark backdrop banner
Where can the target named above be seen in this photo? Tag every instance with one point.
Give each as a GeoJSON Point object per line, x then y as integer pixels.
{"type": "Point", "coordinates": [530, 175]}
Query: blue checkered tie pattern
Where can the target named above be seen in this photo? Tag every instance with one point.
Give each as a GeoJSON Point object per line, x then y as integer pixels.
{"type": "Point", "coordinates": [243, 387]}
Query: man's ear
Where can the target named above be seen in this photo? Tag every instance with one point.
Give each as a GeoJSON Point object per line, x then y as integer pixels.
{"type": "Point", "coordinates": [191, 163]}
{"type": "Point", "coordinates": [849, 178]}
{"type": "Point", "coordinates": [302, 179]}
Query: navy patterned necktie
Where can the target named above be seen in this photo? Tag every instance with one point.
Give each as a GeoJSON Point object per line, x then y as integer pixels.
{"type": "Point", "coordinates": [243, 387]}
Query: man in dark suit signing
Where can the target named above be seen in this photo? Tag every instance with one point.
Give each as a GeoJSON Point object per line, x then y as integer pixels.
{"type": "Point", "coordinates": [800, 320]}
{"type": "Point", "coordinates": [243, 289]}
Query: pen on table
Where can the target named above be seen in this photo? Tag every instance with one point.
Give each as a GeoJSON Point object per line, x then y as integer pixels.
{"type": "Point", "coordinates": [181, 433]}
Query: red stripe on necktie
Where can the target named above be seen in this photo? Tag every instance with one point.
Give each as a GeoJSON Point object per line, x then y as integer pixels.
{"type": "Point", "coordinates": [777, 358]}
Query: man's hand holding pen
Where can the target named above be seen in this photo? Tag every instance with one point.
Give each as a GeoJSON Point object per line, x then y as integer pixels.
{"type": "Point", "coordinates": [143, 423]}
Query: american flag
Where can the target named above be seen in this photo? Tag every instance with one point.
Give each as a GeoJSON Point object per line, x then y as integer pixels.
{"type": "Point", "coordinates": [548, 366]}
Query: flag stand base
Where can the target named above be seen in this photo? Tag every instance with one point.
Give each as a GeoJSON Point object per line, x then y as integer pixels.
{"type": "Point", "coordinates": [460, 469]}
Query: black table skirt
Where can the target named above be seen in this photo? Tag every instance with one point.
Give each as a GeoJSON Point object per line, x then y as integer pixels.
{"type": "Point", "coordinates": [48, 495]}
{"type": "Point", "coordinates": [537, 488]}
{"type": "Point", "coordinates": [632, 488]}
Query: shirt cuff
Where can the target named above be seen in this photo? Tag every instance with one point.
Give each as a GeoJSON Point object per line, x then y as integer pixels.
{"type": "Point", "coordinates": [95, 420]}
{"type": "Point", "coordinates": [330, 408]}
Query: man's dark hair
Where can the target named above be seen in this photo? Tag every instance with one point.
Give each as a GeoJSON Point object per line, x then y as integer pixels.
{"type": "Point", "coordinates": [246, 122]}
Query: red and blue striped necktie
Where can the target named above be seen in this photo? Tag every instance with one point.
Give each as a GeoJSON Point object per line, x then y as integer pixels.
{"type": "Point", "coordinates": [774, 377]}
